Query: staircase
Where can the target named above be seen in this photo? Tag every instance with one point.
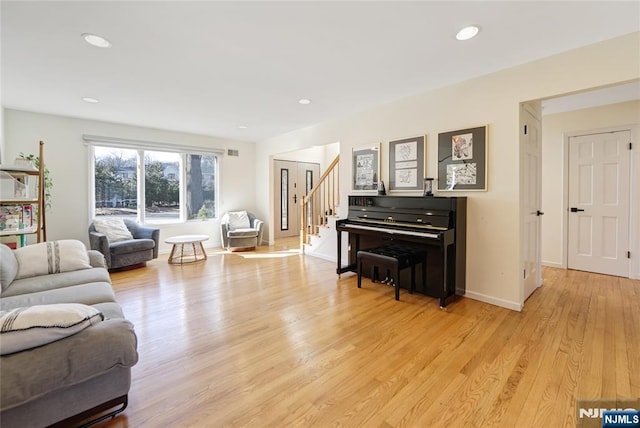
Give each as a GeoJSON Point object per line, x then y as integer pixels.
{"type": "Point", "coordinates": [319, 214]}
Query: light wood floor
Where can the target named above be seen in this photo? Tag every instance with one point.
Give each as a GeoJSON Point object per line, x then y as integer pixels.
{"type": "Point", "coordinates": [275, 338]}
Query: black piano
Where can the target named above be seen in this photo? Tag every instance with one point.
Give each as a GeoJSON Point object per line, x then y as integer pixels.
{"type": "Point", "coordinates": [437, 224]}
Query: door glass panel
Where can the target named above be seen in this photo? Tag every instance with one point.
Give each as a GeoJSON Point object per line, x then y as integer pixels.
{"type": "Point", "coordinates": [284, 199]}
{"type": "Point", "coordinates": [308, 187]}
{"type": "Point", "coordinates": [309, 181]}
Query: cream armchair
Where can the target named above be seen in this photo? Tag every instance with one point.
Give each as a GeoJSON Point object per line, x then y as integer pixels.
{"type": "Point", "coordinates": [240, 230]}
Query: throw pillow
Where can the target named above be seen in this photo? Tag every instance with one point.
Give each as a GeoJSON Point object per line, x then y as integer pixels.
{"type": "Point", "coordinates": [51, 257]}
{"type": "Point", "coordinates": [238, 220]}
{"type": "Point", "coordinates": [114, 228]}
{"type": "Point", "coordinates": [8, 267]}
{"type": "Point", "coordinates": [26, 328]}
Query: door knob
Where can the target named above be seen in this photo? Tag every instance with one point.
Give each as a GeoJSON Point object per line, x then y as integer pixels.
{"type": "Point", "coordinates": [575, 210]}
{"type": "Point", "coordinates": [539, 213]}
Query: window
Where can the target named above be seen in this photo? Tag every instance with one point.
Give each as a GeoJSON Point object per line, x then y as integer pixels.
{"type": "Point", "coordinates": [161, 188]}
{"type": "Point", "coordinates": [177, 186]}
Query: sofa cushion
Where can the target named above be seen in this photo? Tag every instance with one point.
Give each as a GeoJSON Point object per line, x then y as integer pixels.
{"type": "Point", "coordinates": [238, 220]}
{"type": "Point", "coordinates": [56, 280]}
{"type": "Point", "coordinates": [8, 267]}
{"type": "Point", "coordinates": [51, 257]}
{"type": "Point", "coordinates": [132, 246]}
{"type": "Point", "coordinates": [33, 326]}
{"type": "Point", "coordinates": [114, 228]}
{"type": "Point", "coordinates": [87, 294]}
{"type": "Point", "coordinates": [30, 374]}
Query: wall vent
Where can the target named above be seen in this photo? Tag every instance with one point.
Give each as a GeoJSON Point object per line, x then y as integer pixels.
{"type": "Point", "coordinates": [233, 152]}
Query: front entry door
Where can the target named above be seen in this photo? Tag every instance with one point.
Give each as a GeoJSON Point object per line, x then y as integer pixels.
{"type": "Point", "coordinates": [599, 193]}
{"type": "Point", "coordinates": [293, 180]}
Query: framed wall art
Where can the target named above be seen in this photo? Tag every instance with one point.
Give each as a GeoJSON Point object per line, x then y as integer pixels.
{"type": "Point", "coordinates": [365, 166]}
{"type": "Point", "coordinates": [406, 164]}
{"type": "Point", "coordinates": [462, 159]}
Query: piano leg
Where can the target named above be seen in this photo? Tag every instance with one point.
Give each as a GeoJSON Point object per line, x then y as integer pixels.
{"type": "Point", "coordinates": [443, 296]}
{"type": "Point", "coordinates": [339, 269]}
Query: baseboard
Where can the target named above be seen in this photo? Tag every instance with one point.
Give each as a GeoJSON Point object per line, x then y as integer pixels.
{"type": "Point", "coordinates": [494, 301]}
{"type": "Point", "coordinates": [321, 256]}
{"type": "Point", "coordinates": [553, 265]}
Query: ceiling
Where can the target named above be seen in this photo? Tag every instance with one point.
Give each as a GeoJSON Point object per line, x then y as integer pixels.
{"type": "Point", "coordinates": [211, 67]}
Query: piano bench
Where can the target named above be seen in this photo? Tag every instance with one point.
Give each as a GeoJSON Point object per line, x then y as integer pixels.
{"type": "Point", "coordinates": [393, 258]}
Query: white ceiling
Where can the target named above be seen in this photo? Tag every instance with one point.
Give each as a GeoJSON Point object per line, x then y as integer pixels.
{"type": "Point", "coordinates": [208, 67]}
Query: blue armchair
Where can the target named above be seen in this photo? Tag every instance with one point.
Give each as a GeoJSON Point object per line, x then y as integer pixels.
{"type": "Point", "coordinates": [137, 251]}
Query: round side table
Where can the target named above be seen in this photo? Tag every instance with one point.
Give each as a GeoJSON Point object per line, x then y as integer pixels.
{"type": "Point", "coordinates": [194, 242]}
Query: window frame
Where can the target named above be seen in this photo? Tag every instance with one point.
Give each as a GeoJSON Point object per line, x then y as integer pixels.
{"type": "Point", "coordinates": [141, 147]}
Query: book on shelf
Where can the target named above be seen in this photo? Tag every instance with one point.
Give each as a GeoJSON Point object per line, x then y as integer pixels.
{"type": "Point", "coordinates": [16, 217]}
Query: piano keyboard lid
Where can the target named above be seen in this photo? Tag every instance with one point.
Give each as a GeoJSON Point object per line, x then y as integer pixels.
{"type": "Point", "coordinates": [402, 218]}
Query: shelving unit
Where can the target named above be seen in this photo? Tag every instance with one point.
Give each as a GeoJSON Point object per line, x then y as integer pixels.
{"type": "Point", "coordinates": [23, 202]}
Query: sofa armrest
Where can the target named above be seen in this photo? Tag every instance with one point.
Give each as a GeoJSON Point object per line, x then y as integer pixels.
{"type": "Point", "coordinates": [144, 232]}
{"type": "Point", "coordinates": [96, 259]}
{"type": "Point", "coordinates": [100, 242]}
{"type": "Point", "coordinates": [151, 233]}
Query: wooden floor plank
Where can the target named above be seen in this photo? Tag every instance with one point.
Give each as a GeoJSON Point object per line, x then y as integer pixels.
{"type": "Point", "coordinates": [276, 338]}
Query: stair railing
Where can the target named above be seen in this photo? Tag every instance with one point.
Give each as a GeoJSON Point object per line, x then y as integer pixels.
{"type": "Point", "coordinates": [320, 203]}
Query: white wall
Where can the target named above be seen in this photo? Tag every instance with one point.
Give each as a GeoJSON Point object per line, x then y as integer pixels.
{"type": "Point", "coordinates": [555, 129]}
{"type": "Point", "coordinates": [494, 262]}
{"type": "Point", "coordinates": [66, 156]}
{"type": "Point", "coordinates": [322, 155]}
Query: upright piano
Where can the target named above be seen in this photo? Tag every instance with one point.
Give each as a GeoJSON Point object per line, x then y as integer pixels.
{"type": "Point", "coordinates": [436, 224]}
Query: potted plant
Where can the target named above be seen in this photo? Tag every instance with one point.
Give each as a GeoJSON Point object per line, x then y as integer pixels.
{"type": "Point", "coordinates": [48, 182]}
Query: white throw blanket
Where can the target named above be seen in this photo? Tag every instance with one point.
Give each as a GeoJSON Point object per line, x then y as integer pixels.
{"type": "Point", "coordinates": [28, 327]}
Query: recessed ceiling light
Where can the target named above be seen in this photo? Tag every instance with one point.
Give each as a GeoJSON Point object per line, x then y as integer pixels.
{"type": "Point", "coordinates": [304, 101]}
{"type": "Point", "coordinates": [90, 100]}
{"type": "Point", "coordinates": [242, 126]}
{"type": "Point", "coordinates": [96, 41]}
{"type": "Point", "coordinates": [467, 33]}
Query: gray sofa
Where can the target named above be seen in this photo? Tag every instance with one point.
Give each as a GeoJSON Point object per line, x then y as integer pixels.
{"type": "Point", "coordinates": [137, 251]}
{"type": "Point", "coordinates": [73, 378]}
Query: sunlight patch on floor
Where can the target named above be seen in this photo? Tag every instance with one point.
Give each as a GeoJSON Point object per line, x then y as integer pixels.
{"type": "Point", "coordinates": [256, 254]}
{"type": "Point", "coordinates": [268, 255]}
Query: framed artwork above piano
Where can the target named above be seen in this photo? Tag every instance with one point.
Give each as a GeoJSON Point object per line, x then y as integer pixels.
{"type": "Point", "coordinates": [462, 159]}
{"type": "Point", "coordinates": [407, 164]}
{"type": "Point", "coordinates": [365, 165]}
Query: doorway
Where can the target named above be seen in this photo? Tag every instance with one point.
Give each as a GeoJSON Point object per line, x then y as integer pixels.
{"type": "Point", "coordinates": [293, 180]}
{"type": "Point", "coordinates": [599, 203]}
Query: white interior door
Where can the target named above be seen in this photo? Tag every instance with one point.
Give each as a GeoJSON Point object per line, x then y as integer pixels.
{"type": "Point", "coordinates": [531, 149]}
{"type": "Point", "coordinates": [599, 196]}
